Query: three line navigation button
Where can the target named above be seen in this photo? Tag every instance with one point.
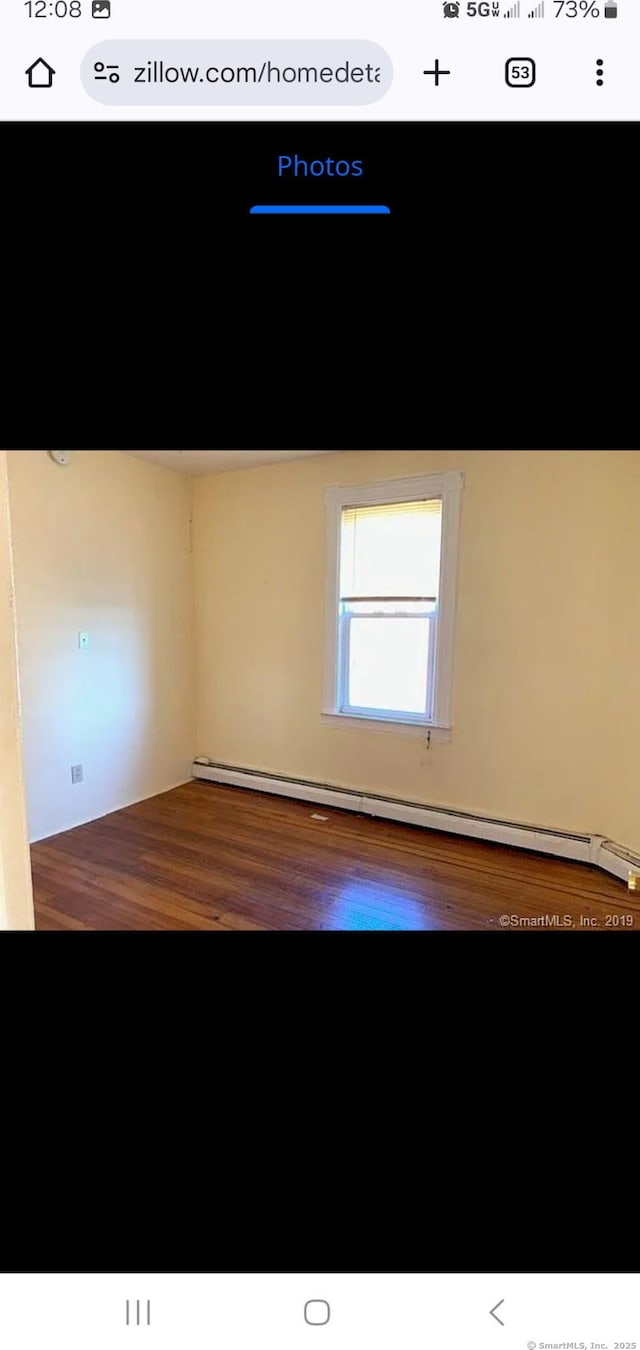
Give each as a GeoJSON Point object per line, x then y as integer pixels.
{"type": "Point", "coordinates": [138, 1313]}
{"type": "Point", "coordinates": [494, 1312]}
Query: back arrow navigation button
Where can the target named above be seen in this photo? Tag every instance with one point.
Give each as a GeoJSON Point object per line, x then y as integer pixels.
{"type": "Point", "coordinates": [493, 1312]}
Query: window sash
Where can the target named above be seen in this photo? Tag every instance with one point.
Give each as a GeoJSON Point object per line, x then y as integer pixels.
{"type": "Point", "coordinates": [345, 620]}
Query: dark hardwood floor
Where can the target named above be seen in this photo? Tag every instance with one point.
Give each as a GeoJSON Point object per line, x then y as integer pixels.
{"type": "Point", "coordinates": [218, 858]}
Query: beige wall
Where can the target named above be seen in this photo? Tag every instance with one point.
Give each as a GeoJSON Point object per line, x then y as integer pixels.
{"type": "Point", "coordinates": [102, 546]}
{"type": "Point", "coordinates": [546, 706]}
{"type": "Point", "coordinates": [16, 900]}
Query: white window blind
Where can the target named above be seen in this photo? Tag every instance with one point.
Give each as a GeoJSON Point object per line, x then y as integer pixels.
{"type": "Point", "coordinates": [391, 551]}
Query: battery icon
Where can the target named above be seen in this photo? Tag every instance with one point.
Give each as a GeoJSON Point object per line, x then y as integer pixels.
{"type": "Point", "coordinates": [611, 9]}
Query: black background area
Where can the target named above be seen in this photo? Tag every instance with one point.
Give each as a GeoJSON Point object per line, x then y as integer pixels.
{"type": "Point", "coordinates": [371, 1102]}
{"type": "Point", "coordinates": [487, 305]}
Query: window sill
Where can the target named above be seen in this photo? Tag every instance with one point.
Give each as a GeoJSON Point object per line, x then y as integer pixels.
{"type": "Point", "coordinates": [439, 734]}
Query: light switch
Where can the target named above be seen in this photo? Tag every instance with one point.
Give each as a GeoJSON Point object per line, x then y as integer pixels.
{"type": "Point", "coordinates": [83, 641]}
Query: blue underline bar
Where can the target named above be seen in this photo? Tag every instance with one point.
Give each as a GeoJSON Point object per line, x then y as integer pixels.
{"type": "Point", "coordinates": [306, 210]}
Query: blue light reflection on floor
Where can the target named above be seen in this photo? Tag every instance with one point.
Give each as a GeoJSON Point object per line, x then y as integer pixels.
{"type": "Point", "coordinates": [354, 910]}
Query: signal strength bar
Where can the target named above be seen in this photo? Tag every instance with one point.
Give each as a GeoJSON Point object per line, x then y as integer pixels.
{"type": "Point", "coordinates": [514, 12]}
{"type": "Point", "coordinates": [538, 12]}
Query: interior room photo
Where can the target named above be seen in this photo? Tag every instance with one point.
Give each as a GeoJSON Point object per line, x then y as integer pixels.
{"type": "Point", "coordinates": [340, 690]}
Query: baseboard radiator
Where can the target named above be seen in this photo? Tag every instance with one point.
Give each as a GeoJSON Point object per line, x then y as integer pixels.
{"type": "Point", "coordinates": [588, 848]}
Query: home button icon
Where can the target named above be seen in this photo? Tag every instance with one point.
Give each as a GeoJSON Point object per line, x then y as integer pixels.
{"type": "Point", "coordinates": [40, 74]}
{"type": "Point", "coordinates": [317, 1312]}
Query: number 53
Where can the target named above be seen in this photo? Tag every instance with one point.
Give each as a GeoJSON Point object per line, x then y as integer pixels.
{"type": "Point", "coordinates": [520, 72]}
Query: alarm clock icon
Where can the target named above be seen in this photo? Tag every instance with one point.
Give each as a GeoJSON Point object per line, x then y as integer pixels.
{"type": "Point", "coordinates": [452, 9]}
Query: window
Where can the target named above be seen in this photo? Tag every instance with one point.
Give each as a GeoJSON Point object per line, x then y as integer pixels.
{"type": "Point", "coordinates": [391, 600]}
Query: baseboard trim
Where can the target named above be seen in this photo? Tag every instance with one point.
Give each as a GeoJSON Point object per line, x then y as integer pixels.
{"type": "Point", "coordinates": [620, 862]}
{"type": "Point", "coordinates": [586, 848]}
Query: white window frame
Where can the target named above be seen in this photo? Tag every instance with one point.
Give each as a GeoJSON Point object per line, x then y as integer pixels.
{"type": "Point", "coordinates": [448, 488]}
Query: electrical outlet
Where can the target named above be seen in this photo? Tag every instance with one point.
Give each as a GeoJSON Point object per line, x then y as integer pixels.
{"type": "Point", "coordinates": [77, 774]}
{"type": "Point", "coordinates": [83, 641]}
{"type": "Point", "coordinates": [634, 881]}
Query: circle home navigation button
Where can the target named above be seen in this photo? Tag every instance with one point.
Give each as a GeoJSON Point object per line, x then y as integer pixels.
{"type": "Point", "coordinates": [317, 1312]}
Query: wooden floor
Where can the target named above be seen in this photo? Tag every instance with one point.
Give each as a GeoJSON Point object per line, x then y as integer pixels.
{"type": "Point", "coordinates": [218, 858]}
